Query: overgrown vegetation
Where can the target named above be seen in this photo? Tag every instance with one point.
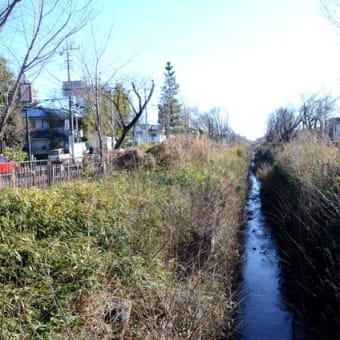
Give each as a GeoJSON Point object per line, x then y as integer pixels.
{"type": "Point", "coordinates": [301, 195]}
{"type": "Point", "coordinates": [148, 253]}
{"type": "Point", "coordinates": [15, 154]}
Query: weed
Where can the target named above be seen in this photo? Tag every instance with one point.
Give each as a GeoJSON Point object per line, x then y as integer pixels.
{"type": "Point", "coordinates": [149, 253]}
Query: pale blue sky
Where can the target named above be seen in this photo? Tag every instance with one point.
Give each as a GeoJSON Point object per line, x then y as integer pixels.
{"type": "Point", "coordinates": [247, 56]}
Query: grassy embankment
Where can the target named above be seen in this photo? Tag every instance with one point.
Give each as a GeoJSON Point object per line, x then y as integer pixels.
{"type": "Point", "coordinates": [301, 195]}
{"type": "Point", "coordinates": [150, 253]}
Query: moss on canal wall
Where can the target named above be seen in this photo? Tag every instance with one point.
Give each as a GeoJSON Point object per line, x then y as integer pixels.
{"type": "Point", "coordinates": [144, 254]}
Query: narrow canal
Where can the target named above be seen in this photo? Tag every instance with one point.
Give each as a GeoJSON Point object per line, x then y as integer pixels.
{"type": "Point", "coordinates": [263, 314]}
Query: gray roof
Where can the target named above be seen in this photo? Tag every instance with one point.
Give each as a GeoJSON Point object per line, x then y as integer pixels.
{"type": "Point", "coordinates": [43, 112]}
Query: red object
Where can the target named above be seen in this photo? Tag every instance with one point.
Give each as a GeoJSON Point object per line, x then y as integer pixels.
{"type": "Point", "coordinates": [7, 166]}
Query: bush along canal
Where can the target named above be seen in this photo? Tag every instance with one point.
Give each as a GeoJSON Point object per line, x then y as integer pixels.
{"type": "Point", "coordinates": [263, 313]}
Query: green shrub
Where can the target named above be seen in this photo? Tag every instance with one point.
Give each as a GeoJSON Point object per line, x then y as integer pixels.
{"type": "Point", "coordinates": [156, 247]}
{"type": "Point", "coordinates": [16, 155]}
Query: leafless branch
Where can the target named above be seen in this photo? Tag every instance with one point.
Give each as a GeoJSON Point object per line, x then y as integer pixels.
{"type": "Point", "coordinates": [330, 10]}
{"type": "Point", "coordinates": [47, 26]}
{"type": "Point", "coordinates": [137, 109]}
{"type": "Point", "coordinates": [6, 12]}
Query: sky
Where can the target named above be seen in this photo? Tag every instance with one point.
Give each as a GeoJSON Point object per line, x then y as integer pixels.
{"type": "Point", "coordinates": [248, 57]}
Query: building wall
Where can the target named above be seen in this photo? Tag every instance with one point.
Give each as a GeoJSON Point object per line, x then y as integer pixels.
{"type": "Point", "coordinates": [40, 124]}
{"type": "Point", "coordinates": [107, 143]}
{"type": "Point", "coordinates": [153, 135]}
{"type": "Point", "coordinates": [334, 129]}
{"type": "Point", "coordinates": [336, 132]}
{"type": "Point", "coordinates": [40, 146]}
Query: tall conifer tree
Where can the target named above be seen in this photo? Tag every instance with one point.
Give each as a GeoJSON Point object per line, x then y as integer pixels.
{"type": "Point", "coordinates": [169, 109]}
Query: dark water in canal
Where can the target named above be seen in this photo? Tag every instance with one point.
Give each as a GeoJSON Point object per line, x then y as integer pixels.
{"type": "Point", "coordinates": [263, 314]}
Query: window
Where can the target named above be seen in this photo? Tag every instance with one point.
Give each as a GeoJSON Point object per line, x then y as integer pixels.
{"type": "Point", "coordinates": [45, 124]}
{"type": "Point", "coordinates": [38, 124]}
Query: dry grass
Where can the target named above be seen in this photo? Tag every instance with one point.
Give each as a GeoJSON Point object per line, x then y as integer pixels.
{"type": "Point", "coordinates": [147, 254]}
{"type": "Point", "coordinates": [179, 151]}
{"type": "Point", "coordinates": [301, 193]}
{"type": "Point", "coordinates": [312, 162]}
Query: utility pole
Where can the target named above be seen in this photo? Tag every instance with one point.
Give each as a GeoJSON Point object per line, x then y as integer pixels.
{"type": "Point", "coordinates": [146, 120]}
{"type": "Point", "coordinates": [28, 135]}
{"type": "Point", "coordinates": [112, 119]}
{"type": "Point", "coordinates": [68, 50]}
{"type": "Point", "coordinates": [26, 98]}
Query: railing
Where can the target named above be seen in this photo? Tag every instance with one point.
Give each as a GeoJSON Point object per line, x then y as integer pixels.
{"type": "Point", "coordinates": [45, 173]}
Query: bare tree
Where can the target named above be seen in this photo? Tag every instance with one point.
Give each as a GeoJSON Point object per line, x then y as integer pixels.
{"type": "Point", "coordinates": [215, 124]}
{"type": "Point", "coordinates": [6, 11]}
{"type": "Point", "coordinates": [330, 10]}
{"type": "Point", "coordinates": [99, 77]}
{"type": "Point", "coordinates": [40, 28]}
{"type": "Point", "coordinates": [315, 111]}
{"type": "Point", "coordinates": [97, 97]}
{"type": "Point", "coordinates": [94, 100]}
{"type": "Point", "coordinates": [191, 116]}
{"type": "Point", "coordinates": [97, 88]}
{"type": "Point", "coordinates": [138, 100]}
{"type": "Point", "coordinates": [271, 131]}
{"type": "Point", "coordinates": [282, 125]}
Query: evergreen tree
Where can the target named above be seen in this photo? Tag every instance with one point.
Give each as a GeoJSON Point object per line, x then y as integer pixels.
{"type": "Point", "coordinates": [13, 129]}
{"type": "Point", "coordinates": [169, 109]}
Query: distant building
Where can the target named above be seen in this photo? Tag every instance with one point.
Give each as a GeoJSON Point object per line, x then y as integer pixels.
{"type": "Point", "coordinates": [147, 134]}
{"type": "Point", "coordinates": [94, 144]}
{"type": "Point", "coordinates": [50, 129]}
{"type": "Point", "coordinates": [334, 129]}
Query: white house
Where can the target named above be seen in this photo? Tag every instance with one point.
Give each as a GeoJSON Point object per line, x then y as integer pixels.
{"type": "Point", "coordinates": [147, 134]}
{"type": "Point", "coordinates": [334, 129]}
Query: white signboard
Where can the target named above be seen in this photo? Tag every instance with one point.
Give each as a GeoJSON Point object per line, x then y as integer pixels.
{"type": "Point", "coordinates": [73, 88]}
{"type": "Point", "coordinates": [26, 93]}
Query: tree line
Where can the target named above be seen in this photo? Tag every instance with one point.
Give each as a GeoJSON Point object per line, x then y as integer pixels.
{"type": "Point", "coordinates": [313, 114]}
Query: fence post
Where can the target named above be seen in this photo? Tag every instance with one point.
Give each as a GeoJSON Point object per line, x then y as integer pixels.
{"type": "Point", "coordinates": [13, 182]}
{"type": "Point", "coordinates": [49, 173]}
{"type": "Point", "coordinates": [33, 174]}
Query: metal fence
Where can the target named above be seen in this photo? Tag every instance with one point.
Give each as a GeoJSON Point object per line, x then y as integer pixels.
{"type": "Point", "coordinates": [45, 173]}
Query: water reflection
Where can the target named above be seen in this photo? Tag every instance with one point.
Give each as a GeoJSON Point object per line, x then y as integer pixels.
{"type": "Point", "coordinates": [262, 314]}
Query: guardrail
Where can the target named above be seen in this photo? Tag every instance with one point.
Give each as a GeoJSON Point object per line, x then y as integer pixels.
{"type": "Point", "coordinates": [44, 173]}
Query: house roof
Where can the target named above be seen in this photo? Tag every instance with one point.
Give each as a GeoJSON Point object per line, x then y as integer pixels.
{"type": "Point", "coordinates": [40, 112]}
